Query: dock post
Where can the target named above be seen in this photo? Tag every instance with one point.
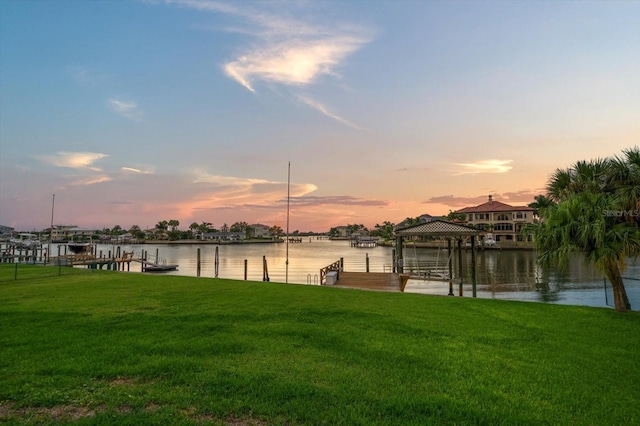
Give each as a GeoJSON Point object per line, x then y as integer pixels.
{"type": "Point", "coordinates": [245, 269]}
{"type": "Point", "coordinates": [450, 267]}
{"type": "Point", "coordinates": [460, 265]}
{"type": "Point", "coordinates": [473, 265]}
{"type": "Point", "coordinates": [265, 269]}
{"type": "Point", "coordinates": [342, 264]}
{"type": "Point", "coordinates": [367, 261]}
{"type": "Point", "coordinates": [393, 260]}
{"type": "Point", "coordinates": [216, 263]}
{"type": "Point", "coordinates": [198, 264]}
{"type": "Point", "coordinates": [399, 259]}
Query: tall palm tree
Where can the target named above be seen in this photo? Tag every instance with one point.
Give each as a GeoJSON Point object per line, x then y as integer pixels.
{"type": "Point", "coordinates": [541, 203]}
{"type": "Point", "coordinates": [580, 221]}
{"type": "Point", "coordinates": [625, 177]}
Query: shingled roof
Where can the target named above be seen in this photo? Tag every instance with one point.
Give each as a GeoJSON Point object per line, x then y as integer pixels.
{"type": "Point", "coordinates": [438, 228]}
{"type": "Point", "coordinates": [494, 206]}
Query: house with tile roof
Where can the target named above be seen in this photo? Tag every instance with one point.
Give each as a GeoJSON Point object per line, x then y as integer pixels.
{"type": "Point", "coordinates": [503, 220]}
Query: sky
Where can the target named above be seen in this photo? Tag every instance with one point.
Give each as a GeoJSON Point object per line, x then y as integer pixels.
{"type": "Point", "coordinates": [134, 112]}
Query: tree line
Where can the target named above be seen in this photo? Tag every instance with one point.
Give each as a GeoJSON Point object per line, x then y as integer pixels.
{"type": "Point", "coordinates": [169, 229]}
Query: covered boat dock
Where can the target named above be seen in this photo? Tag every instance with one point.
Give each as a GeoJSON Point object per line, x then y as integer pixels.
{"type": "Point", "coordinates": [445, 230]}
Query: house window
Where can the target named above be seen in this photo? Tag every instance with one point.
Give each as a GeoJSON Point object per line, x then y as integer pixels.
{"type": "Point", "coordinates": [503, 227]}
{"type": "Point", "coordinates": [519, 215]}
{"type": "Point", "coordinates": [503, 217]}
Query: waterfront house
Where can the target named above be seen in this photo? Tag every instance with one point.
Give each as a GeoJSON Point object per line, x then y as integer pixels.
{"type": "Point", "coordinates": [69, 232]}
{"type": "Point", "coordinates": [503, 220]}
{"type": "Point", "coordinates": [224, 236]}
{"type": "Point", "coordinates": [342, 231]}
{"type": "Point", "coordinates": [423, 218]}
{"type": "Point", "coordinates": [6, 231]}
{"type": "Point", "coordinates": [259, 231]}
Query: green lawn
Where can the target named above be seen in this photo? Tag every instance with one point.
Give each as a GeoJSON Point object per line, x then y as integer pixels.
{"type": "Point", "coordinates": [115, 348]}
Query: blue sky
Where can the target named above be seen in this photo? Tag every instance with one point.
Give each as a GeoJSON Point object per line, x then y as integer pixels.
{"type": "Point", "coordinates": [133, 112]}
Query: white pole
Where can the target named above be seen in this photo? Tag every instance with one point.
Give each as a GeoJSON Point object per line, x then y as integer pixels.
{"type": "Point", "coordinates": [53, 203]}
{"type": "Point", "coordinates": [286, 274]}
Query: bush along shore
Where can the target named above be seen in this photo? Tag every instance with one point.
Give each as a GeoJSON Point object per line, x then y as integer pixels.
{"type": "Point", "coordinates": [101, 347]}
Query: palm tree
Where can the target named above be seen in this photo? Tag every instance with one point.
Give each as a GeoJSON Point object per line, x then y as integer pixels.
{"type": "Point", "coordinates": [541, 203]}
{"type": "Point", "coordinates": [625, 176]}
{"type": "Point", "coordinates": [584, 194]}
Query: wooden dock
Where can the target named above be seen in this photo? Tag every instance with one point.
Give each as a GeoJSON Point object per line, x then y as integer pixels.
{"type": "Point", "coordinates": [377, 281]}
{"type": "Point", "coordinates": [92, 262]}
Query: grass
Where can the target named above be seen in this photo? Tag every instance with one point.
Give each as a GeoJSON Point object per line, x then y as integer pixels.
{"type": "Point", "coordinates": [116, 348]}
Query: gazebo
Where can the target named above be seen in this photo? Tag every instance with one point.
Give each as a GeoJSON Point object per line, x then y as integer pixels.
{"type": "Point", "coordinates": [442, 229]}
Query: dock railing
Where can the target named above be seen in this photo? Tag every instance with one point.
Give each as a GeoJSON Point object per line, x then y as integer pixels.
{"type": "Point", "coordinates": [335, 266]}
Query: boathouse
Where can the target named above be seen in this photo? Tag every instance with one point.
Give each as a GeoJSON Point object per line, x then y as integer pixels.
{"type": "Point", "coordinates": [450, 232]}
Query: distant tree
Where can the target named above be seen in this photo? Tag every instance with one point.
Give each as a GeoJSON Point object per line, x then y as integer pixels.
{"type": "Point", "coordinates": [384, 231]}
{"type": "Point", "coordinates": [162, 225]}
{"type": "Point", "coordinates": [205, 227]}
{"type": "Point", "coordinates": [193, 228]}
{"type": "Point", "coordinates": [136, 232]}
{"type": "Point", "coordinates": [355, 227]}
{"type": "Point", "coordinates": [175, 234]}
{"type": "Point", "coordinates": [276, 231]}
{"type": "Point", "coordinates": [412, 221]}
{"type": "Point", "coordinates": [239, 227]}
{"type": "Point", "coordinates": [456, 217]}
{"type": "Point", "coordinates": [225, 228]}
{"type": "Point", "coordinates": [173, 223]}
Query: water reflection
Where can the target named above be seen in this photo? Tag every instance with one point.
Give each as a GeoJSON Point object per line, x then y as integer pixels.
{"type": "Point", "coordinates": [512, 275]}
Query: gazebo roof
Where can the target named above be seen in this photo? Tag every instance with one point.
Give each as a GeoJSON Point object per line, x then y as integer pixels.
{"type": "Point", "coordinates": [438, 228]}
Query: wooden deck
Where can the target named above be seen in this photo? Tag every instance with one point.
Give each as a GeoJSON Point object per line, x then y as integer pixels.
{"type": "Point", "coordinates": [378, 281]}
{"type": "Point", "coordinates": [93, 262]}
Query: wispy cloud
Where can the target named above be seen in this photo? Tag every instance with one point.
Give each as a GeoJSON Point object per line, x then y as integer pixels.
{"type": "Point", "coordinates": [291, 62]}
{"type": "Point", "coordinates": [323, 109]}
{"type": "Point", "coordinates": [484, 166]}
{"type": "Point", "coordinates": [86, 77]}
{"type": "Point", "coordinates": [125, 108]}
{"type": "Point", "coordinates": [91, 180]}
{"type": "Point", "coordinates": [136, 170]}
{"type": "Point", "coordinates": [233, 188]}
{"type": "Point", "coordinates": [342, 200]}
{"type": "Point", "coordinates": [285, 51]}
{"type": "Point", "coordinates": [74, 160]}
{"type": "Point", "coordinates": [524, 196]}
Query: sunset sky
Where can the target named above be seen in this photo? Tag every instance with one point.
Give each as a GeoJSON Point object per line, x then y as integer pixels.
{"type": "Point", "coordinates": [133, 112]}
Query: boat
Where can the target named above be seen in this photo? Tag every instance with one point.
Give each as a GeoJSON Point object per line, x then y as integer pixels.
{"type": "Point", "coordinates": [154, 267]}
{"type": "Point", "coordinates": [25, 240]}
{"type": "Point", "coordinates": [80, 247]}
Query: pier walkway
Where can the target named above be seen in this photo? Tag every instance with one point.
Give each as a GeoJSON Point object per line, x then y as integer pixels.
{"type": "Point", "coordinates": [93, 262]}
{"type": "Point", "coordinates": [378, 281]}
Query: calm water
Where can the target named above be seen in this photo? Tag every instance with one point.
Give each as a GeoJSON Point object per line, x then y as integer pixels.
{"type": "Point", "coordinates": [509, 275]}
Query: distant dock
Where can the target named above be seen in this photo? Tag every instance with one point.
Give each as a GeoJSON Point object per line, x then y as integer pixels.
{"type": "Point", "coordinates": [364, 242]}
